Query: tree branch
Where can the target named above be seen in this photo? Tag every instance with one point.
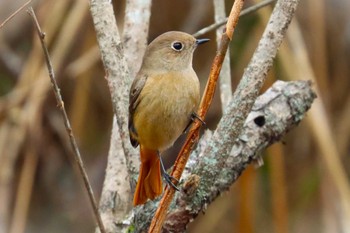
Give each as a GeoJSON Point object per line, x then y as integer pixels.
{"type": "Point", "coordinates": [121, 61]}
{"type": "Point", "coordinates": [274, 113]}
{"type": "Point", "coordinates": [136, 25]}
{"type": "Point", "coordinates": [116, 68]}
{"type": "Point", "coordinates": [248, 89]}
{"type": "Point", "coordinates": [121, 170]}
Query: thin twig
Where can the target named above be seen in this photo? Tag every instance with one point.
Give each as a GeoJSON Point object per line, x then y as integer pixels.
{"type": "Point", "coordinates": [244, 12]}
{"type": "Point", "coordinates": [60, 104]}
{"type": "Point", "coordinates": [15, 13]}
{"type": "Point", "coordinates": [193, 135]}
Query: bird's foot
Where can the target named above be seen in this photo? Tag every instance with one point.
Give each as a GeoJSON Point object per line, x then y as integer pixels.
{"type": "Point", "coordinates": [169, 180]}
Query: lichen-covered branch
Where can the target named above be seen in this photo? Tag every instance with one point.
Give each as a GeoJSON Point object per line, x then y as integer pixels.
{"type": "Point", "coordinates": [247, 91]}
{"type": "Point", "coordinates": [121, 59]}
{"type": "Point", "coordinates": [116, 68]}
{"type": "Point", "coordinates": [274, 113]}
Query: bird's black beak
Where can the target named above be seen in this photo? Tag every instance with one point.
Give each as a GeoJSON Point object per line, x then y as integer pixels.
{"type": "Point", "coordinates": [201, 41]}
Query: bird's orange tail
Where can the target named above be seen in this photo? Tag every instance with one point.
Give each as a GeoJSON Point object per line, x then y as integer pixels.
{"type": "Point", "coordinates": [149, 184]}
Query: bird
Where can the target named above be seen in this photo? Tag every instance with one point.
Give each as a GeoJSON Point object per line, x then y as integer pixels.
{"type": "Point", "coordinates": [163, 99]}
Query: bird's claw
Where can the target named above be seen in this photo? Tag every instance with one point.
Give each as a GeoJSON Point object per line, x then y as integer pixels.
{"type": "Point", "coordinates": [169, 180]}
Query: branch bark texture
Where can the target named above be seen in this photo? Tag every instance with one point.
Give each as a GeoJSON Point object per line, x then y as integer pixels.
{"type": "Point", "coordinates": [116, 68]}
{"type": "Point", "coordinates": [121, 59]}
{"type": "Point", "coordinates": [116, 192]}
{"type": "Point", "coordinates": [244, 97]}
{"type": "Point", "coordinates": [136, 25]}
{"type": "Point", "coordinates": [274, 113]}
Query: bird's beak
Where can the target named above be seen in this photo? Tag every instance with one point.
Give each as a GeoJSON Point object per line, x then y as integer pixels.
{"type": "Point", "coordinates": [201, 41]}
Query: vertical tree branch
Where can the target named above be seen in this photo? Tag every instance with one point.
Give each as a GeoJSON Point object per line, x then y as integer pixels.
{"type": "Point", "coordinates": [116, 68]}
{"type": "Point", "coordinates": [244, 97]}
{"type": "Point", "coordinates": [115, 201]}
{"type": "Point", "coordinates": [115, 198]}
{"type": "Point", "coordinates": [121, 60]}
{"type": "Point", "coordinates": [136, 25]}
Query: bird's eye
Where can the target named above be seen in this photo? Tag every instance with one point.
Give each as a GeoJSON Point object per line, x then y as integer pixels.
{"type": "Point", "coordinates": [177, 46]}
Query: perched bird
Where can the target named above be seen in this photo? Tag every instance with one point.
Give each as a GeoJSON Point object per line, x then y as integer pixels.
{"type": "Point", "coordinates": [163, 99]}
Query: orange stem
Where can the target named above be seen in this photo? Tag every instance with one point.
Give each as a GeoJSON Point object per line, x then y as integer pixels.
{"type": "Point", "coordinates": [193, 135]}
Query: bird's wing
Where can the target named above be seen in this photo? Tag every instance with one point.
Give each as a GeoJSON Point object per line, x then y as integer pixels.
{"type": "Point", "coordinates": [134, 100]}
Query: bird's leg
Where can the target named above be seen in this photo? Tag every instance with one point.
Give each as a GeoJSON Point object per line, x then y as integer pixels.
{"type": "Point", "coordinates": [168, 178]}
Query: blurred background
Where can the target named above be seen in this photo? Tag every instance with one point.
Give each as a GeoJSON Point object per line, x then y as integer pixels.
{"type": "Point", "coordinates": [303, 186]}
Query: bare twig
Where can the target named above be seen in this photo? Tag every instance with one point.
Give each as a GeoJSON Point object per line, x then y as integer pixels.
{"type": "Point", "coordinates": [193, 135]}
{"type": "Point", "coordinates": [60, 103]}
{"type": "Point", "coordinates": [15, 13]}
{"type": "Point", "coordinates": [28, 107]}
{"type": "Point", "coordinates": [244, 12]}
